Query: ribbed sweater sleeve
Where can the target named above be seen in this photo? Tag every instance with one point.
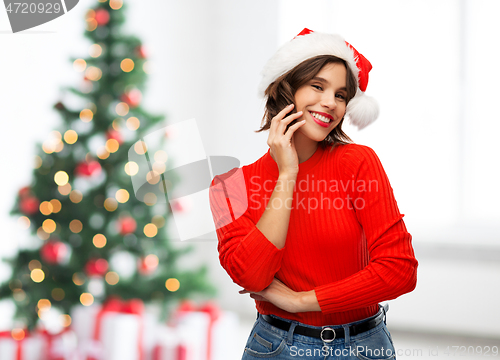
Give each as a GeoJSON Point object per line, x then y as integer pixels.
{"type": "Point", "coordinates": [391, 269]}
{"type": "Point", "coordinates": [249, 258]}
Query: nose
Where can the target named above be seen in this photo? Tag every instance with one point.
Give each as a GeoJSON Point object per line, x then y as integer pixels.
{"type": "Point", "coordinates": [329, 100]}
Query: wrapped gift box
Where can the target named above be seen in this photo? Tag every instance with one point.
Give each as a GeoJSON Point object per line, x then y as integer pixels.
{"type": "Point", "coordinates": [30, 347]}
{"type": "Point", "coordinates": [113, 331]}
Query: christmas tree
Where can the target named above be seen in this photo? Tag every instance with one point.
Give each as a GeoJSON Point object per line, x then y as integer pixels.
{"type": "Point", "coordinates": [95, 237]}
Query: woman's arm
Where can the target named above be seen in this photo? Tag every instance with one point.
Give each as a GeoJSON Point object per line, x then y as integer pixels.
{"type": "Point", "coordinates": [285, 298]}
{"type": "Point", "coordinates": [251, 253]}
{"type": "Point", "coordinates": [391, 270]}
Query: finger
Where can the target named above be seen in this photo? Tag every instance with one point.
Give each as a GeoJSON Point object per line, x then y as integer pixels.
{"type": "Point", "coordinates": [288, 135]}
{"type": "Point", "coordinates": [284, 122]}
{"type": "Point", "coordinates": [279, 116]}
{"type": "Point", "coordinates": [283, 112]}
{"type": "Point", "coordinates": [258, 297]}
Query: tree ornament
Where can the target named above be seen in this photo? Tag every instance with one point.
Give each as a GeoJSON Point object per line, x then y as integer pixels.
{"type": "Point", "coordinates": [148, 264]}
{"type": "Point", "coordinates": [96, 267]}
{"type": "Point", "coordinates": [87, 169]}
{"type": "Point", "coordinates": [54, 252]}
{"type": "Point", "coordinates": [114, 134]}
{"type": "Point", "coordinates": [127, 225]}
{"type": "Point", "coordinates": [24, 192]}
{"type": "Point", "coordinates": [132, 98]}
{"type": "Point", "coordinates": [102, 17]}
{"type": "Point", "coordinates": [29, 205]}
{"type": "Point", "coordinates": [141, 52]}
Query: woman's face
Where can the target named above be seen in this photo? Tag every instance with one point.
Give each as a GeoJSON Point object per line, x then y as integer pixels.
{"type": "Point", "coordinates": [322, 101]}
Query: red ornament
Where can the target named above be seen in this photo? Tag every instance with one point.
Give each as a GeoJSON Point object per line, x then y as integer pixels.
{"type": "Point", "coordinates": [141, 52]}
{"type": "Point", "coordinates": [88, 168]}
{"type": "Point", "coordinates": [29, 205]}
{"type": "Point", "coordinates": [96, 267]}
{"type": "Point", "coordinates": [148, 264]}
{"type": "Point", "coordinates": [132, 98]}
{"type": "Point", "coordinates": [24, 192]}
{"type": "Point", "coordinates": [53, 252]}
{"type": "Point", "coordinates": [102, 17]}
{"type": "Point", "coordinates": [127, 225]}
{"type": "Point", "coordinates": [116, 135]}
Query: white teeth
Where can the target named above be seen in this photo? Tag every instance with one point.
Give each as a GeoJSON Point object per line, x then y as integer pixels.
{"type": "Point", "coordinates": [320, 117]}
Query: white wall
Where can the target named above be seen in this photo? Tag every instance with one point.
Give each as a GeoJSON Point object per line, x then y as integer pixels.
{"type": "Point", "coordinates": [434, 75]}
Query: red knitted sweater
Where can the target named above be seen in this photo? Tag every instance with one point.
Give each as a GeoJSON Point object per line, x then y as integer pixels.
{"type": "Point", "coordinates": [346, 237]}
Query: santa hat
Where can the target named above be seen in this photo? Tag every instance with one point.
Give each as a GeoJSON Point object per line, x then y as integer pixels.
{"type": "Point", "coordinates": [362, 110]}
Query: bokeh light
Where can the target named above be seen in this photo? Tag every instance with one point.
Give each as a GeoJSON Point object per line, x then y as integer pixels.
{"type": "Point", "coordinates": [65, 320]}
{"type": "Point", "coordinates": [122, 196]}
{"type": "Point", "coordinates": [45, 208]}
{"type": "Point", "coordinates": [75, 226]}
{"type": "Point", "coordinates": [24, 222]}
{"type": "Point", "coordinates": [99, 241]}
{"type": "Point", "coordinates": [70, 136]}
{"type": "Point", "coordinates": [79, 65]}
{"type": "Point", "coordinates": [76, 196]}
{"type": "Point", "coordinates": [133, 123]}
{"type": "Point", "coordinates": [140, 147]}
{"type": "Point", "coordinates": [93, 73]}
{"type": "Point", "coordinates": [112, 145]}
{"type": "Point", "coordinates": [86, 115]}
{"type": "Point", "coordinates": [127, 65]}
{"type": "Point", "coordinates": [161, 156]}
{"type": "Point", "coordinates": [95, 50]}
{"type": "Point", "coordinates": [122, 109]}
{"type": "Point", "coordinates": [49, 226]}
{"type": "Point", "coordinates": [18, 334]}
{"type": "Point", "coordinates": [65, 189]}
{"type": "Point", "coordinates": [172, 284]}
{"type": "Point", "coordinates": [131, 168]}
{"type": "Point", "coordinates": [86, 299]}
{"type": "Point", "coordinates": [150, 199]}
{"type": "Point", "coordinates": [115, 4]}
{"type": "Point", "coordinates": [153, 177]}
{"type": "Point", "coordinates": [110, 204]}
{"type": "Point", "coordinates": [112, 278]}
{"type": "Point", "coordinates": [56, 205]}
{"type": "Point", "coordinates": [61, 178]}
{"type": "Point", "coordinates": [34, 264]}
{"type": "Point", "coordinates": [37, 275]}
{"type": "Point", "coordinates": [150, 230]}
{"type": "Point", "coordinates": [78, 279]}
{"type": "Point", "coordinates": [42, 235]}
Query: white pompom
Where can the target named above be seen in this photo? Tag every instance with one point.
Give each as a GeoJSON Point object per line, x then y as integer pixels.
{"type": "Point", "coordinates": [362, 110]}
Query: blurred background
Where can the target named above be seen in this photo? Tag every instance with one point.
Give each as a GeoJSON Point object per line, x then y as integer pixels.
{"type": "Point", "coordinates": [434, 74]}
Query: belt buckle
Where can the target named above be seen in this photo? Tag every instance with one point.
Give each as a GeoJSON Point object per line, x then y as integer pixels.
{"type": "Point", "coordinates": [328, 340]}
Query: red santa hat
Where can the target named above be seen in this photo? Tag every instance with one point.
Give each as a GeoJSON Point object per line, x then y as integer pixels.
{"type": "Point", "coordinates": [362, 110]}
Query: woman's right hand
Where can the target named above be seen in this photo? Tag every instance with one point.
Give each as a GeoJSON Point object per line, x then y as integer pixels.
{"type": "Point", "coordinates": [282, 146]}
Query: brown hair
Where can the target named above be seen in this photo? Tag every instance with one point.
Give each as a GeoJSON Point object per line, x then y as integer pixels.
{"type": "Point", "coordinates": [281, 93]}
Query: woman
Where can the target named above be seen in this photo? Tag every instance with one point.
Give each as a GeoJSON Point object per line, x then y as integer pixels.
{"type": "Point", "coordinates": [312, 230]}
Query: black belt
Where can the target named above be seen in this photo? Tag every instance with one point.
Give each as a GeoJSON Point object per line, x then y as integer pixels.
{"type": "Point", "coordinates": [327, 333]}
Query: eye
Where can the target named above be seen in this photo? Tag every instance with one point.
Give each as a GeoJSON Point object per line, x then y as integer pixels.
{"type": "Point", "coordinates": [340, 96]}
{"type": "Point", "coordinates": [317, 87]}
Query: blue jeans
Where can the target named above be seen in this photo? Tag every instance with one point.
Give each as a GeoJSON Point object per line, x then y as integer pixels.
{"type": "Point", "coordinates": [267, 341]}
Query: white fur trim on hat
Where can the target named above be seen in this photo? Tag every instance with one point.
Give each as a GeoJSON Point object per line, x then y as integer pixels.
{"type": "Point", "coordinates": [362, 110]}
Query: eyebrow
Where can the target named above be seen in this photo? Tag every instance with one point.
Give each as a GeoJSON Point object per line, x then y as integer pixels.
{"type": "Point", "coordinates": [324, 81]}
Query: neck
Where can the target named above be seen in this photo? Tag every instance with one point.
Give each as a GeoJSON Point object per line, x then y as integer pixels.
{"type": "Point", "coordinates": [305, 147]}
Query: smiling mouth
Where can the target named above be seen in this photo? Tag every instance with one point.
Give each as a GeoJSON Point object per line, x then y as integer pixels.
{"type": "Point", "coordinates": [324, 119]}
